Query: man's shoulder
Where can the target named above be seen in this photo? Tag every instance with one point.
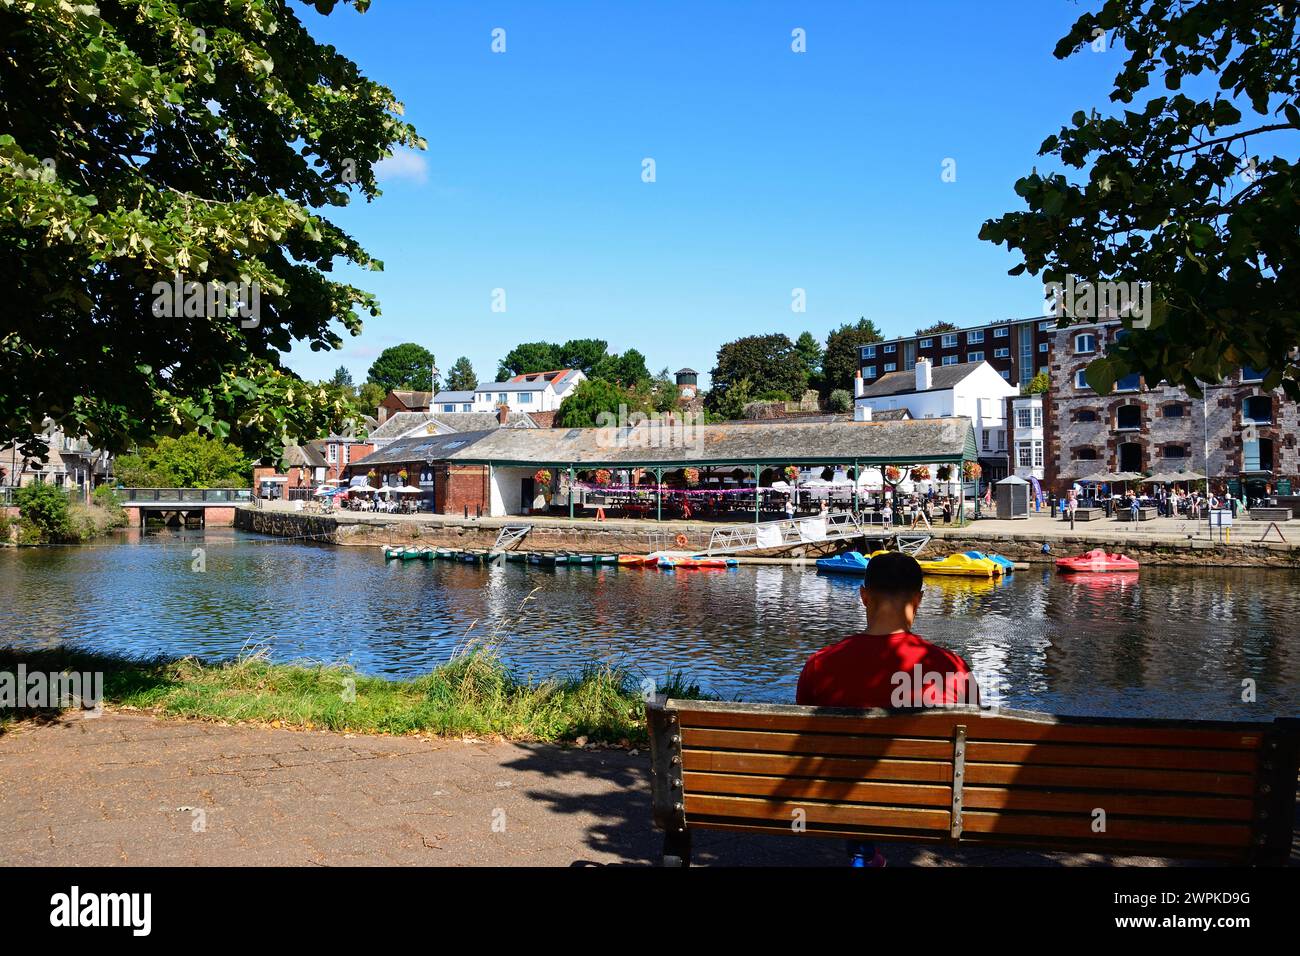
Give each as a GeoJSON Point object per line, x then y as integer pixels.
{"type": "Point", "coordinates": [935, 653]}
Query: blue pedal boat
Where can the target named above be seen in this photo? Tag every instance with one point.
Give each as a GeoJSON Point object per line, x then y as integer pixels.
{"type": "Point", "coordinates": [1005, 564]}
{"type": "Point", "coordinates": [850, 562]}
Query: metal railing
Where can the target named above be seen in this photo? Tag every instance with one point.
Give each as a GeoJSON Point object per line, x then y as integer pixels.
{"type": "Point", "coordinates": [786, 533]}
{"type": "Point", "coordinates": [197, 496]}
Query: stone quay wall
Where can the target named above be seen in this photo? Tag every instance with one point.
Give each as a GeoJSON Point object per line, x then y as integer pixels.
{"type": "Point", "coordinates": [638, 538]}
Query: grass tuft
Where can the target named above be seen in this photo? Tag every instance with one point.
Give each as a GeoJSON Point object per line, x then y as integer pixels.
{"type": "Point", "coordinates": [473, 694]}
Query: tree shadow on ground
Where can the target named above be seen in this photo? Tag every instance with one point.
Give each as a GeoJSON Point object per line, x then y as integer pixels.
{"type": "Point", "coordinates": [613, 787]}
{"type": "Point", "coordinates": [122, 676]}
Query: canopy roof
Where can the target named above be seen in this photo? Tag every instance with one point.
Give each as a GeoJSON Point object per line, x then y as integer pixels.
{"type": "Point", "coordinates": [919, 441]}
{"type": "Point", "coordinates": [653, 445]}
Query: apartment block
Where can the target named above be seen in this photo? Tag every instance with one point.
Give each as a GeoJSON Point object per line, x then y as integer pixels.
{"type": "Point", "coordinates": [1018, 349]}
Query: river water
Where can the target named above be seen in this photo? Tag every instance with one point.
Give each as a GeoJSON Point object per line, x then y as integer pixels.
{"type": "Point", "coordinates": [1171, 642]}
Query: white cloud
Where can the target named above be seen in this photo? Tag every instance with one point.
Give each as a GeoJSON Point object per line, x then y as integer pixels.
{"type": "Point", "coordinates": [403, 164]}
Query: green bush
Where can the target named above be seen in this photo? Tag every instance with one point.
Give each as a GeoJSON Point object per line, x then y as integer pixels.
{"type": "Point", "coordinates": [840, 400]}
{"type": "Point", "coordinates": [190, 461]}
{"type": "Point", "coordinates": [45, 514]}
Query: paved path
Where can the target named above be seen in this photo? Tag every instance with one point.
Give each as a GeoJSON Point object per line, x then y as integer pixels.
{"type": "Point", "coordinates": [129, 789]}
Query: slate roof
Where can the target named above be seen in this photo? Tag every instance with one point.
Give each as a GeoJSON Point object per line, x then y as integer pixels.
{"type": "Point", "coordinates": [904, 382]}
{"type": "Point", "coordinates": [303, 456]}
{"type": "Point", "coordinates": [420, 448]}
{"type": "Point", "coordinates": [888, 442]}
{"type": "Point", "coordinates": [457, 397]}
{"type": "Point", "coordinates": [515, 385]}
{"type": "Point", "coordinates": [412, 399]}
{"type": "Point", "coordinates": [399, 423]}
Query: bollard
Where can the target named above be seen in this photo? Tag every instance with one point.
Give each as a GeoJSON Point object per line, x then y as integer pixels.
{"type": "Point", "coordinates": [467, 512]}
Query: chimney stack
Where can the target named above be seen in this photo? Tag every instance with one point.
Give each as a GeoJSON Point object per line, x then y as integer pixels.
{"type": "Point", "coordinates": [862, 413]}
{"type": "Point", "coordinates": [503, 412]}
{"type": "Point", "coordinates": [924, 380]}
{"type": "Point", "coordinates": [858, 386]}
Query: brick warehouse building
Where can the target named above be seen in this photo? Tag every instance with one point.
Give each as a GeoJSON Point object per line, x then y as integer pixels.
{"type": "Point", "coordinates": [1250, 433]}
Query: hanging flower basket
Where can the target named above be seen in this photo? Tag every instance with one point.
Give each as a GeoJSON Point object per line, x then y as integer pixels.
{"type": "Point", "coordinates": [921, 473]}
{"type": "Point", "coordinates": [945, 472]}
{"type": "Point", "coordinates": [402, 475]}
{"type": "Point", "coordinates": [692, 476]}
{"type": "Point", "coordinates": [893, 475]}
{"type": "Point", "coordinates": [542, 477]}
{"type": "Point", "coordinates": [602, 476]}
{"type": "Point", "coordinates": [970, 470]}
{"type": "Point", "coordinates": [791, 474]}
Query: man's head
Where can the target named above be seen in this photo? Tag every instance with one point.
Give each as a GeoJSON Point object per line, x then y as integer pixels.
{"type": "Point", "coordinates": [892, 586]}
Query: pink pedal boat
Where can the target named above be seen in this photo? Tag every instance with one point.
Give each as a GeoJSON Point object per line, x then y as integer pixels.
{"type": "Point", "coordinates": [1096, 560]}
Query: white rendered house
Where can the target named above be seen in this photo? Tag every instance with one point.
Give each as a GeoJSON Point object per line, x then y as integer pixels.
{"type": "Point", "coordinates": [974, 390]}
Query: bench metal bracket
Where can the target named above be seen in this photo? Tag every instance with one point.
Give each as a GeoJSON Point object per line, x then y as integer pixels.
{"type": "Point", "coordinates": [666, 789]}
{"type": "Point", "coordinates": [958, 778]}
{"type": "Point", "coordinates": [1275, 795]}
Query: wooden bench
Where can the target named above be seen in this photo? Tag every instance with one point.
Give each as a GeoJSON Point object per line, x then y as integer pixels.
{"type": "Point", "coordinates": [1145, 513]}
{"type": "Point", "coordinates": [962, 776]}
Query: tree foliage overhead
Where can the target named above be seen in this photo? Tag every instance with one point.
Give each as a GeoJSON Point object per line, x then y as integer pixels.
{"type": "Point", "coordinates": [1186, 187]}
{"type": "Point", "coordinates": [143, 143]}
{"type": "Point", "coordinates": [405, 366]}
{"type": "Point", "coordinates": [937, 328]}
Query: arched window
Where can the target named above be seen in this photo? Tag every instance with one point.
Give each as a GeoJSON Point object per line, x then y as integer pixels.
{"type": "Point", "coordinates": [1173, 410]}
{"type": "Point", "coordinates": [1085, 415]}
{"type": "Point", "coordinates": [1175, 451]}
{"type": "Point", "coordinates": [1130, 457]}
{"type": "Point", "coordinates": [1128, 417]}
{"type": "Point", "coordinates": [1085, 343]}
{"type": "Point", "coordinates": [1258, 409]}
{"type": "Point", "coordinates": [1085, 454]}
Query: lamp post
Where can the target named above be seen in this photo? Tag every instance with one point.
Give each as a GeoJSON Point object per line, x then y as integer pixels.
{"type": "Point", "coordinates": [1205, 455]}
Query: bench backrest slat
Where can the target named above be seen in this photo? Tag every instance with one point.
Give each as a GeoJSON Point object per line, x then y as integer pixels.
{"type": "Point", "coordinates": [1192, 789]}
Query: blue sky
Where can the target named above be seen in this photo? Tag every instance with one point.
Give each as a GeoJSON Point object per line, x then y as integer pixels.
{"type": "Point", "coordinates": [775, 170]}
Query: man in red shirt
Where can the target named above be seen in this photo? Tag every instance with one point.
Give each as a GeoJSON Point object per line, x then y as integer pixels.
{"type": "Point", "coordinates": [886, 665]}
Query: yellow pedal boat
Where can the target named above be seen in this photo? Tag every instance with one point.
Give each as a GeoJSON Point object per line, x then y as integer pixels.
{"type": "Point", "coordinates": [961, 564]}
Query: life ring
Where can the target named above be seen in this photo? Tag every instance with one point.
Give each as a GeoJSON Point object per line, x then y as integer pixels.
{"type": "Point", "coordinates": [682, 541]}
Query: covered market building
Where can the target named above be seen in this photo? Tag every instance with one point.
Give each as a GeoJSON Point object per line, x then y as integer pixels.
{"type": "Point", "coordinates": [730, 471]}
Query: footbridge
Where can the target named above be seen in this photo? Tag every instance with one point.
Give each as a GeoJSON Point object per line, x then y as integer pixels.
{"type": "Point", "coordinates": [188, 507]}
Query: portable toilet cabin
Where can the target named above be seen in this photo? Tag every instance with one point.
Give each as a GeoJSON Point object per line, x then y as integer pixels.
{"type": "Point", "coordinates": [1012, 496]}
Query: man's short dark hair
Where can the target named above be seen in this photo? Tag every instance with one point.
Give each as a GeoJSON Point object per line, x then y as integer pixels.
{"type": "Point", "coordinates": [893, 575]}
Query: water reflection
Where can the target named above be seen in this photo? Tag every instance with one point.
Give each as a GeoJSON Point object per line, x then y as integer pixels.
{"type": "Point", "coordinates": [1172, 642]}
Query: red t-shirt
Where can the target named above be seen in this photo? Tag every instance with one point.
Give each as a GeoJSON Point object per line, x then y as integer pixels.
{"type": "Point", "coordinates": [885, 670]}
